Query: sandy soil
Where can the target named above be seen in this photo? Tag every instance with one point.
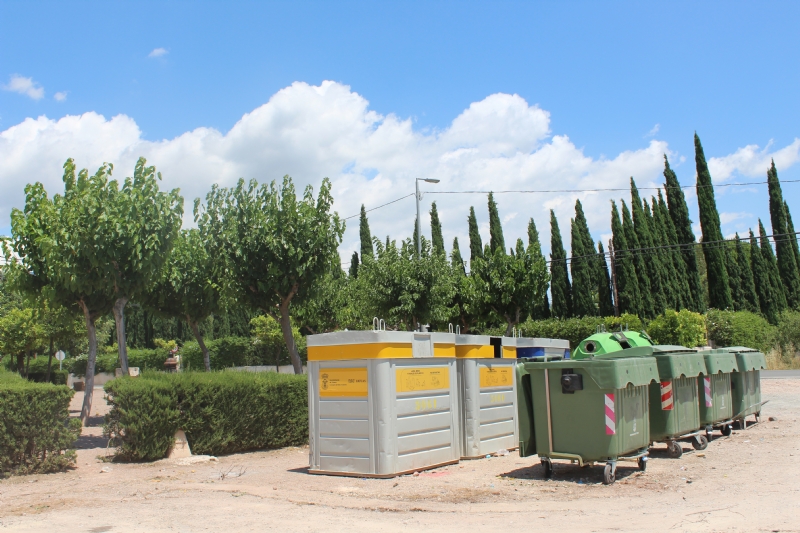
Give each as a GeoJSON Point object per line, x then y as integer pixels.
{"type": "Point", "coordinates": [747, 482]}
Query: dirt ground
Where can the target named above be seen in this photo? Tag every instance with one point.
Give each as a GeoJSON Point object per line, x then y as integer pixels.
{"type": "Point", "coordinates": [747, 482]}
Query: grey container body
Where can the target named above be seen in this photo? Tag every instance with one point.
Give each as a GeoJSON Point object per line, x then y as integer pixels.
{"type": "Point", "coordinates": [390, 430]}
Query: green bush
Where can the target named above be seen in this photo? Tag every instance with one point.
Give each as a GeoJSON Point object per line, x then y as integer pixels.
{"type": "Point", "coordinates": [36, 433]}
{"type": "Point", "coordinates": [226, 352]}
{"type": "Point", "coordinates": [740, 328]}
{"type": "Point", "coordinates": [577, 329]}
{"type": "Point", "coordinates": [682, 328]}
{"type": "Point", "coordinates": [221, 412]}
{"type": "Point", "coordinates": [57, 377]}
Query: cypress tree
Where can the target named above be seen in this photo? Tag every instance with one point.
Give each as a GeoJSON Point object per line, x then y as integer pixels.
{"type": "Point", "coordinates": [559, 280]}
{"type": "Point", "coordinates": [541, 310]}
{"type": "Point", "coordinates": [734, 276]}
{"type": "Point", "coordinates": [353, 272]}
{"type": "Point", "coordinates": [680, 281]}
{"type": "Point", "coordinates": [771, 266]}
{"type": "Point", "coordinates": [787, 266]}
{"type": "Point", "coordinates": [627, 283]}
{"type": "Point", "coordinates": [604, 299]}
{"type": "Point", "coordinates": [437, 240]}
{"type": "Point", "coordinates": [719, 291]}
{"type": "Point", "coordinates": [366, 236]}
{"type": "Point", "coordinates": [792, 235]}
{"type": "Point", "coordinates": [750, 300]}
{"type": "Point", "coordinates": [679, 213]}
{"type": "Point", "coordinates": [496, 239]}
{"type": "Point", "coordinates": [652, 258]}
{"type": "Point", "coordinates": [475, 244]}
{"type": "Point", "coordinates": [640, 263]}
{"type": "Point", "coordinates": [580, 267]}
{"type": "Point", "coordinates": [455, 258]}
{"type": "Point", "coordinates": [415, 238]}
{"type": "Point", "coordinates": [519, 250]}
{"type": "Point", "coordinates": [762, 283]}
{"type": "Point", "coordinates": [672, 297]}
{"type": "Point", "coordinates": [588, 247]}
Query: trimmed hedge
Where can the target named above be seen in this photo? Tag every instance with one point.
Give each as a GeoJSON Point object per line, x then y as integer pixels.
{"type": "Point", "coordinates": [36, 432]}
{"type": "Point", "coordinates": [221, 412]}
{"type": "Point", "coordinates": [576, 329]}
{"type": "Point", "coordinates": [681, 328]}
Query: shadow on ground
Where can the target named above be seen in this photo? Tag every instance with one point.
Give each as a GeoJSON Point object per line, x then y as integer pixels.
{"type": "Point", "coordinates": [564, 471]}
{"type": "Point", "coordinates": [88, 442]}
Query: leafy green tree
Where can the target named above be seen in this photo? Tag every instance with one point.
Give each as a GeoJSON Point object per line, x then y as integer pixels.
{"type": "Point", "coordinates": [436, 231]}
{"type": "Point", "coordinates": [681, 328]}
{"type": "Point", "coordinates": [456, 261]}
{"type": "Point", "coordinates": [719, 292]}
{"type": "Point", "coordinates": [191, 286]}
{"type": "Point", "coordinates": [761, 279]}
{"type": "Point", "coordinates": [365, 235]}
{"type": "Point", "coordinates": [640, 262]}
{"type": "Point", "coordinates": [540, 309]}
{"type": "Point", "coordinates": [679, 213]}
{"type": "Point", "coordinates": [510, 284]}
{"type": "Point", "coordinates": [406, 290]}
{"type": "Point", "coordinates": [475, 244]}
{"type": "Point", "coordinates": [749, 295]}
{"type": "Point", "coordinates": [771, 265]}
{"type": "Point", "coordinates": [276, 245]}
{"type": "Point", "coordinates": [266, 331]}
{"type": "Point", "coordinates": [604, 299]}
{"type": "Point", "coordinates": [652, 258]}
{"type": "Point", "coordinates": [627, 282]}
{"type": "Point", "coordinates": [333, 303]}
{"type": "Point", "coordinates": [560, 288]}
{"type": "Point", "coordinates": [496, 239]}
{"type": "Point", "coordinates": [353, 272]}
{"type": "Point", "coordinates": [21, 333]}
{"type": "Point", "coordinates": [787, 265]}
{"type": "Point", "coordinates": [581, 267]}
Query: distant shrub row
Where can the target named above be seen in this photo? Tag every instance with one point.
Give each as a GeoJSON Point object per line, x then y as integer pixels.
{"type": "Point", "coordinates": [221, 412]}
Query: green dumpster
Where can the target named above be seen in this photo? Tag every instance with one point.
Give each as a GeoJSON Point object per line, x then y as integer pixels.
{"type": "Point", "coordinates": [604, 342]}
{"type": "Point", "coordinates": [587, 411]}
{"type": "Point", "coordinates": [716, 403]}
{"type": "Point", "coordinates": [746, 383]}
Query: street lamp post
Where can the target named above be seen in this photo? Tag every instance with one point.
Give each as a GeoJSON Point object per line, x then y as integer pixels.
{"type": "Point", "coordinates": [419, 228]}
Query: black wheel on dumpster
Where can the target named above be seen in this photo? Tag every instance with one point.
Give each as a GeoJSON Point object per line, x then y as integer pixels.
{"type": "Point", "coordinates": [726, 430]}
{"type": "Point", "coordinates": [642, 462]}
{"type": "Point", "coordinates": [700, 442]}
{"type": "Point", "coordinates": [609, 476]}
{"type": "Point", "coordinates": [548, 468]}
{"type": "Point", "coordinates": [674, 449]}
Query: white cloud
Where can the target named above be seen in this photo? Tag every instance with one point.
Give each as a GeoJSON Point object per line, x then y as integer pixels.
{"type": "Point", "coordinates": [752, 162]}
{"type": "Point", "coordinates": [158, 52]}
{"type": "Point", "coordinates": [653, 131]}
{"type": "Point", "coordinates": [727, 218]}
{"type": "Point", "coordinates": [26, 86]}
{"type": "Point", "coordinates": [309, 132]}
{"type": "Point", "coordinates": [60, 96]}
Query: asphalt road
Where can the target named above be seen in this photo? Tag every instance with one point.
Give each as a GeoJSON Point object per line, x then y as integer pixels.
{"type": "Point", "coordinates": [780, 374]}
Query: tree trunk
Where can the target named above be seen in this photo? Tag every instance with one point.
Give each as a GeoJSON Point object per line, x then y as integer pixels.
{"type": "Point", "coordinates": [28, 364]}
{"type": "Point", "coordinates": [49, 361]}
{"type": "Point", "coordinates": [21, 363]}
{"type": "Point", "coordinates": [199, 338]}
{"type": "Point", "coordinates": [509, 328]}
{"type": "Point", "coordinates": [286, 328]}
{"type": "Point", "coordinates": [119, 319]}
{"type": "Point", "coordinates": [90, 365]}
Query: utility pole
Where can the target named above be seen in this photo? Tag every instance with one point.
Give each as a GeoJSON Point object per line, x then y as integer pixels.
{"type": "Point", "coordinates": [614, 276]}
{"type": "Point", "coordinates": [419, 226]}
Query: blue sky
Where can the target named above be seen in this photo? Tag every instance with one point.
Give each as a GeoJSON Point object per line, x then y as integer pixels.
{"type": "Point", "coordinates": [612, 76]}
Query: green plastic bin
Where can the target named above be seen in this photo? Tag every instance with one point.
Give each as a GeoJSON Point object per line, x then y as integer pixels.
{"type": "Point", "coordinates": [586, 411]}
{"type": "Point", "coordinates": [604, 343]}
{"type": "Point", "coordinates": [746, 383]}
{"type": "Point", "coordinates": [716, 402]}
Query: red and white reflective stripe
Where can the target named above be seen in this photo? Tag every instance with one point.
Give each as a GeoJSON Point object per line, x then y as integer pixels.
{"type": "Point", "coordinates": [611, 418]}
{"type": "Point", "coordinates": [707, 386]}
{"type": "Point", "coordinates": [666, 395]}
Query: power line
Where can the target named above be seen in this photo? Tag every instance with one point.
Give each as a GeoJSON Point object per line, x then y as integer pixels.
{"type": "Point", "coordinates": [383, 205]}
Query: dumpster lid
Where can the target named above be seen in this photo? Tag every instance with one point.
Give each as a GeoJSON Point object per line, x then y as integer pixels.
{"type": "Point", "coordinates": [719, 361]}
{"type": "Point", "coordinates": [601, 343]}
{"type": "Point", "coordinates": [536, 342]}
{"type": "Point", "coordinates": [472, 340]}
{"type": "Point", "coordinates": [748, 359]}
{"type": "Point", "coordinates": [607, 372]}
{"type": "Point", "coordinates": [676, 361]}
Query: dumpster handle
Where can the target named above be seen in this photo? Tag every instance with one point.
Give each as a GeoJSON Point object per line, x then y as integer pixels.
{"type": "Point", "coordinates": [549, 417]}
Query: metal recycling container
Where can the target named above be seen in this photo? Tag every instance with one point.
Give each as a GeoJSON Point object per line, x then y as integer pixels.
{"type": "Point", "coordinates": [487, 394]}
{"type": "Point", "coordinates": [382, 403]}
{"type": "Point", "coordinates": [716, 403]}
{"type": "Point", "coordinates": [537, 348]}
{"type": "Point", "coordinates": [746, 383]}
{"type": "Point", "coordinates": [586, 411]}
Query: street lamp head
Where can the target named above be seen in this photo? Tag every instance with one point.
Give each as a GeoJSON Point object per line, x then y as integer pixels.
{"type": "Point", "coordinates": [431, 180]}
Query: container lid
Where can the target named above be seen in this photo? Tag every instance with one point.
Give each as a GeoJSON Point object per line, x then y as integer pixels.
{"type": "Point", "coordinates": [349, 345]}
{"type": "Point", "coordinates": [677, 361]}
{"type": "Point", "coordinates": [472, 340]}
{"type": "Point", "coordinates": [719, 361]}
{"type": "Point", "coordinates": [531, 342]}
{"type": "Point", "coordinates": [602, 343]}
{"type": "Point", "coordinates": [748, 359]}
{"type": "Point", "coordinates": [607, 373]}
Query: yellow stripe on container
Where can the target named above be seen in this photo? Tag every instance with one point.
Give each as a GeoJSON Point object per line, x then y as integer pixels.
{"type": "Point", "coordinates": [474, 351]}
{"type": "Point", "coordinates": [444, 350]}
{"type": "Point", "coordinates": [344, 352]}
{"type": "Point", "coordinates": [509, 352]}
